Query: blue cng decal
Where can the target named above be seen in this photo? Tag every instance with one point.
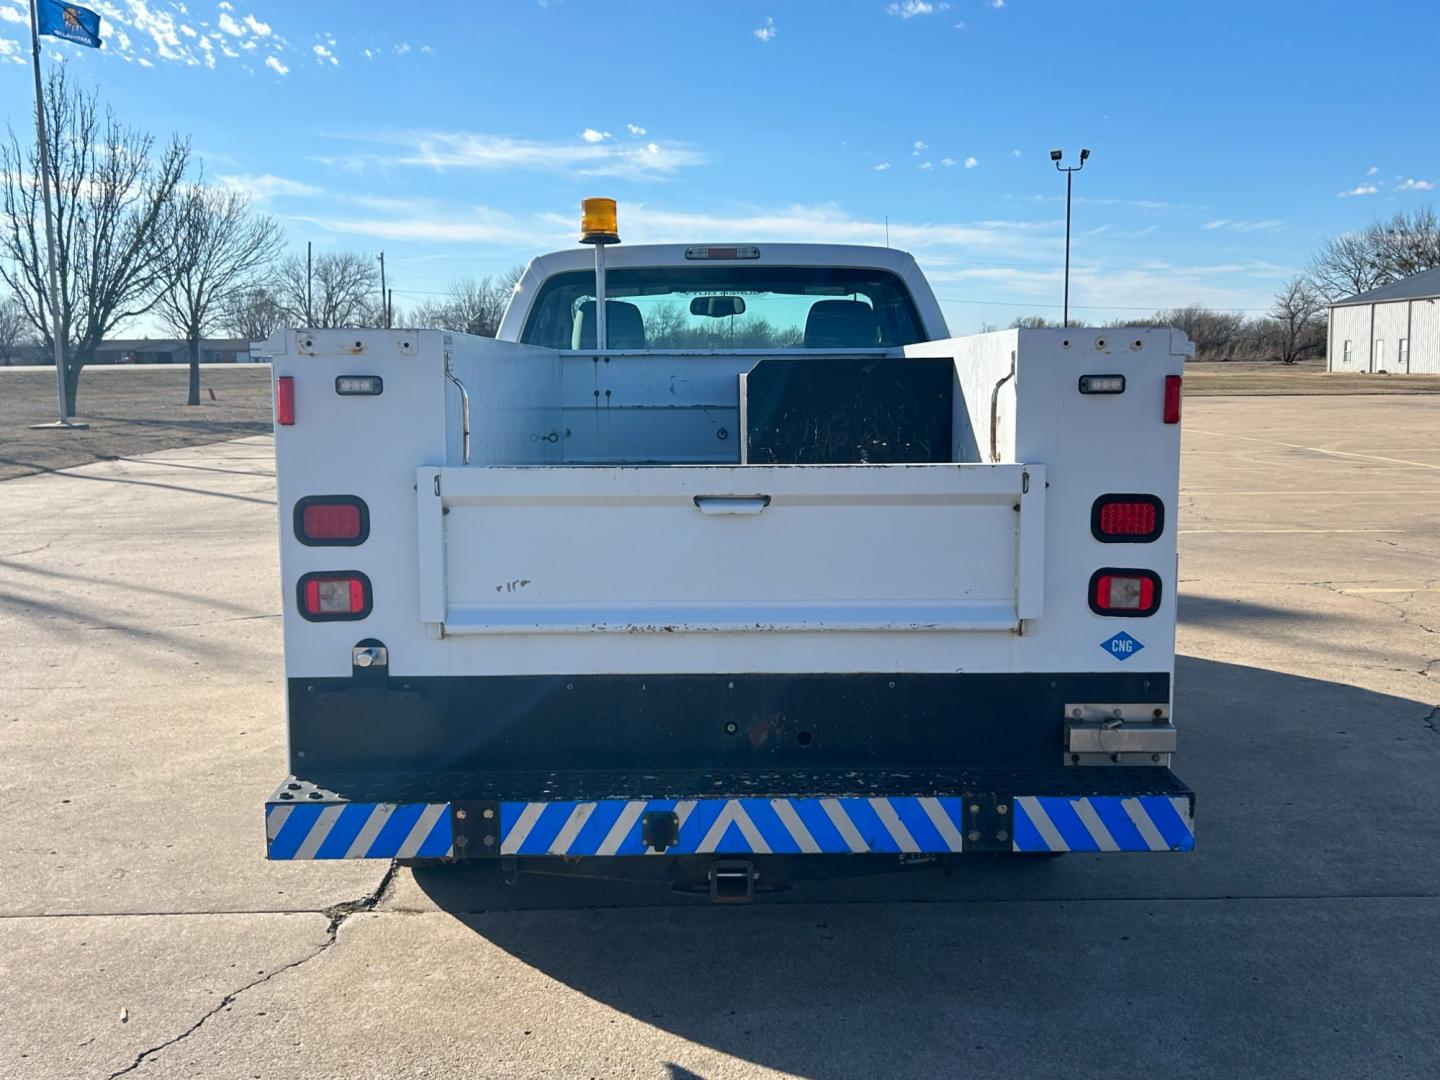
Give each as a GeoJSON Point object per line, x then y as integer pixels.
{"type": "Point", "coordinates": [1122, 646]}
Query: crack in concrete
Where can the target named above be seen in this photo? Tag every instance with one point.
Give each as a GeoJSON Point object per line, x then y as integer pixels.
{"type": "Point", "coordinates": [337, 914]}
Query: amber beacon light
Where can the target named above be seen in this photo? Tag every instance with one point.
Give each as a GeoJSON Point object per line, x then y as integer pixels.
{"type": "Point", "coordinates": [599, 222]}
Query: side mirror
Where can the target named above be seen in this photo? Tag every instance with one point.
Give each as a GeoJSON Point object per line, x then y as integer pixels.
{"type": "Point", "coordinates": [717, 307]}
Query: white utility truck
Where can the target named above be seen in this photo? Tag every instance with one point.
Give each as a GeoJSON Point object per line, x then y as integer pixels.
{"type": "Point", "coordinates": [720, 556]}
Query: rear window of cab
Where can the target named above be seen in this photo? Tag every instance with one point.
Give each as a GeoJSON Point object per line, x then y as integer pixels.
{"type": "Point", "coordinates": [730, 307]}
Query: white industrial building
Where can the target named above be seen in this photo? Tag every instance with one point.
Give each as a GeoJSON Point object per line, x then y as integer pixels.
{"type": "Point", "coordinates": [1394, 329]}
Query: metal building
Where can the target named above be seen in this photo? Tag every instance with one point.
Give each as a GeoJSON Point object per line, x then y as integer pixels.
{"type": "Point", "coordinates": [1395, 328]}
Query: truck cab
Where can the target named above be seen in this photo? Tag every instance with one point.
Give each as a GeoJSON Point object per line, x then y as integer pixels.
{"type": "Point", "coordinates": [727, 555]}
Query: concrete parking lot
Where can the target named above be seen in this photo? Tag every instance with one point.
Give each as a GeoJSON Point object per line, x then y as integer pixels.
{"type": "Point", "coordinates": [142, 932]}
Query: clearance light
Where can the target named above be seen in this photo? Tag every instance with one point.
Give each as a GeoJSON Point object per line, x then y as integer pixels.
{"type": "Point", "coordinates": [334, 597]}
{"type": "Point", "coordinates": [1127, 519]}
{"type": "Point", "coordinates": [359, 385]}
{"type": "Point", "coordinates": [1102, 384]}
{"type": "Point", "coordinates": [742, 252]}
{"type": "Point", "coordinates": [1124, 592]}
{"type": "Point", "coordinates": [599, 222]}
{"type": "Point", "coordinates": [1172, 399]}
{"type": "Point", "coordinates": [331, 521]}
{"type": "Point", "coordinates": [285, 400]}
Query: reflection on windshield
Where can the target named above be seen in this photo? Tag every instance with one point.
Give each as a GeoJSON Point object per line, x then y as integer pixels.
{"type": "Point", "coordinates": [688, 307]}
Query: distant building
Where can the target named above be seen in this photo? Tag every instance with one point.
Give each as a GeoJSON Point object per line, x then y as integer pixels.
{"type": "Point", "coordinates": [171, 351]}
{"type": "Point", "coordinates": [1395, 328]}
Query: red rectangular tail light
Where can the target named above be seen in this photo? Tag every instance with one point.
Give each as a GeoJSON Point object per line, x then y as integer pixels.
{"type": "Point", "coordinates": [1127, 519]}
{"type": "Point", "coordinates": [1172, 399]}
{"type": "Point", "coordinates": [331, 521]}
{"type": "Point", "coordinates": [285, 399]}
{"type": "Point", "coordinates": [334, 596]}
{"type": "Point", "coordinates": [1124, 592]}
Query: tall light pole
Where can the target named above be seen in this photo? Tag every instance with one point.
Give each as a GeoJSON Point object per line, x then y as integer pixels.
{"type": "Point", "coordinates": [1069, 171]}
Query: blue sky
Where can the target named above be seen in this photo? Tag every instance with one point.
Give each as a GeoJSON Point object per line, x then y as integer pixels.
{"type": "Point", "coordinates": [1227, 138]}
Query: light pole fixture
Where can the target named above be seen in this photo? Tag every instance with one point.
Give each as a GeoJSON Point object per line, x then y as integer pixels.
{"type": "Point", "coordinates": [1069, 171]}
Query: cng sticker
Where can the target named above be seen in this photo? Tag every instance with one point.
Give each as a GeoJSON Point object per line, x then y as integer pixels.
{"type": "Point", "coordinates": [1122, 646]}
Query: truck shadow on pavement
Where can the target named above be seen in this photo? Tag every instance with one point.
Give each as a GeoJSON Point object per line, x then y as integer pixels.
{"type": "Point", "coordinates": [1005, 963]}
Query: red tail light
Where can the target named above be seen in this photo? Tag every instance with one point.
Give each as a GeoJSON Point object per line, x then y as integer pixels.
{"type": "Point", "coordinates": [285, 399]}
{"type": "Point", "coordinates": [331, 521]}
{"type": "Point", "coordinates": [334, 597]}
{"type": "Point", "coordinates": [1124, 592]}
{"type": "Point", "coordinates": [1172, 399]}
{"type": "Point", "coordinates": [1127, 519]}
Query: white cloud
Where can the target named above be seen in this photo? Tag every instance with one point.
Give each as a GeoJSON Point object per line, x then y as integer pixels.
{"type": "Point", "coordinates": [1412, 184]}
{"type": "Point", "coordinates": [266, 186]}
{"type": "Point", "coordinates": [430, 221]}
{"type": "Point", "coordinates": [470, 150]}
{"type": "Point", "coordinates": [426, 49]}
{"type": "Point", "coordinates": [766, 33]}
{"type": "Point", "coordinates": [11, 51]}
{"type": "Point", "coordinates": [635, 129]}
{"type": "Point", "coordinates": [949, 161]}
{"type": "Point", "coordinates": [971, 162]}
{"type": "Point", "coordinates": [926, 165]}
{"type": "Point", "coordinates": [882, 166]}
{"type": "Point", "coordinates": [1231, 225]}
{"type": "Point", "coordinates": [1014, 153]}
{"type": "Point", "coordinates": [908, 9]}
{"type": "Point", "coordinates": [961, 25]}
{"type": "Point", "coordinates": [590, 135]}
{"type": "Point", "coordinates": [401, 49]}
{"type": "Point", "coordinates": [830, 223]}
{"type": "Point", "coordinates": [275, 64]}
{"type": "Point", "coordinates": [1372, 170]}
{"type": "Point", "coordinates": [997, 4]}
{"type": "Point", "coordinates": [324, 55]}
{"type": "Point", "coordinates": [230, 26]}
{"type": "Point", "coordinates": [920, 145]}
{"type": "Point", "coordinates": [14, 15]}
{"type": "Point", "coordinates": [1359, 189]}
{"type": "Point", "coordinates": [224, 5]}
{"type": "Point", "coordinates": [258, 28]}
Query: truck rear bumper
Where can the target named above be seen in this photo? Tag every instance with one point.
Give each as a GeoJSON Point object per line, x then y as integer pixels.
{"type": "Point", "coordinates": [461, 815]}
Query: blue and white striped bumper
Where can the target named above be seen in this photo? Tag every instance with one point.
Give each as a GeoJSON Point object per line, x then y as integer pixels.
{"type": "Point", "coordinates": [326, 827]}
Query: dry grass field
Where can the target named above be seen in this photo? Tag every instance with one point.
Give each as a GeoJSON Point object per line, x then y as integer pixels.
{"type": "Point", "coordinates": [130, 410]}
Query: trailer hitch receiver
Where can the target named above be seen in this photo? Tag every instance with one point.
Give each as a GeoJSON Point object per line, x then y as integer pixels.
{"type": "Point", "coordinates": [732, 881]}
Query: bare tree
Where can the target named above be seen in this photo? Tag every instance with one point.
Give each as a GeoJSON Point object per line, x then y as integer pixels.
{"type": "Point", "coordinates": [209, 243]}
{"type": "Point", "coordinates": [471, 305]}
{"type": "Point", "coordinates": [110, 192]}
{"type": "Point", "coordinates": [14, 330]}
{"type": "Point", "coordinates": [1407, 243]}
{"type": "Point", "coordinates": [338, 291]}
{"type": "Point", "coordinates": [1347, 264]}
{"type": "Point", "coordinates": [1296, 316]}
{"type": "Point", "coordinates": [252, 313]}
{"type": "Point", "coordinates": [1384, 251]}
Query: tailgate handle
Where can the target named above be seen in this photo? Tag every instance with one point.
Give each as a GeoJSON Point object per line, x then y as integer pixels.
{"type": "Point", "coordinates": [731, 504]}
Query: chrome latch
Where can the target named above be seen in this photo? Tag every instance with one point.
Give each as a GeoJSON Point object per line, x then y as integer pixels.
{"type": "Point", "coordinates": [370, 656]}
{"type": "Point", "coordinates": [1123, 734]}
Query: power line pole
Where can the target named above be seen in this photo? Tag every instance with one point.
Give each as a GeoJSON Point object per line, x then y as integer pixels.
{"type": "Point", "coordinates": [57, 331]}
{"type": "Point", "coordinates": [309, 276]}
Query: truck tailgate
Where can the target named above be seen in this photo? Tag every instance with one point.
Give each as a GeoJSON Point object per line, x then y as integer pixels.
{"type": "Point", "coordinates": [677, 549]}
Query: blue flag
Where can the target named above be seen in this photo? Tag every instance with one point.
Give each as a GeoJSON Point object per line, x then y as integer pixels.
{"type": "Point", "coordinates": [69, 22]}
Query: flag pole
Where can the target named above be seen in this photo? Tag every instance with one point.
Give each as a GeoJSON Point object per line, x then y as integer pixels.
{"type": "Point", "coordinates": [44, 143]}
